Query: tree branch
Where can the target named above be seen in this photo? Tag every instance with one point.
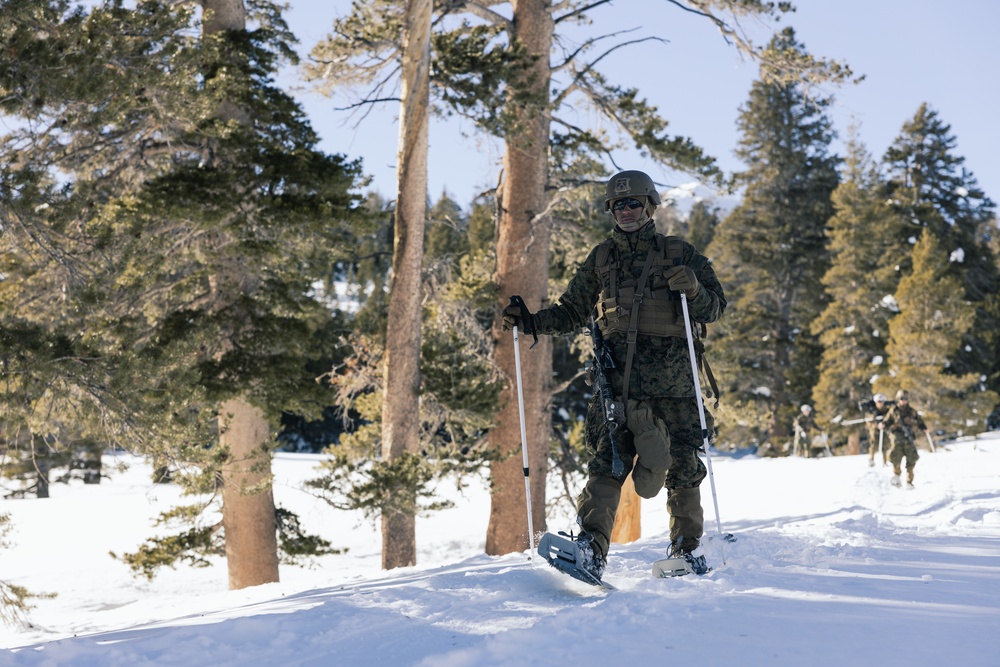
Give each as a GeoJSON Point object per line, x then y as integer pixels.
{"type": "Point", "coordinates": [481, 10]}
{"type": "Point", "coordinates": [578, 11]}
{"type": "Point", "coordinates": [560, 98]}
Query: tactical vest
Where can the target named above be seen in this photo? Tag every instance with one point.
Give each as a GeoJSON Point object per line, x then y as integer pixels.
{"type": "Point", "coordinates": [659, 309]}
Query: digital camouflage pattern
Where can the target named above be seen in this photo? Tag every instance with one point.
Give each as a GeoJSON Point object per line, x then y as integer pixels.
{"type": "Point", "coordinates": [661, 367]}
{"type": "Point", "coordinates": [660, 377]}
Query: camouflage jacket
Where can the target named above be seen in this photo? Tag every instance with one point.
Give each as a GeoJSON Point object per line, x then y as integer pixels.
{"type": "Point", "coordinates": [904, 420]}
{"type": "Point", "coordinates": [874, 416]}
{"type": "Point", "coordinates": [804, 423]}
{"type": "Point", "coordinates": [661, 366]}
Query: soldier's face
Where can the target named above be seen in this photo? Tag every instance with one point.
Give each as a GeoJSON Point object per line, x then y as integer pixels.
{"type": "Point", "coordinates": [628, 213]}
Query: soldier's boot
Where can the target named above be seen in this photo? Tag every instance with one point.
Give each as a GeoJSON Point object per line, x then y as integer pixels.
{"type": "Point", "coordinates": [591, 558]}
{"type": "Point", "coordinates": [687, 518]}
{"type": "Point", "coordinates": [596, 508]}
{"type": "Point", "coordinates": [695, 559]}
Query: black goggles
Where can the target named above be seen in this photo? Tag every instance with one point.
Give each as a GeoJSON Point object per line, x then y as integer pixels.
{"type": "Point", "coordinates": [622, 204]}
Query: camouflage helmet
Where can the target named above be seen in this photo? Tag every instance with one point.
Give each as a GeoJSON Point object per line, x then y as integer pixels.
{"type": "Point", "coordinates": [902, 395]}
{"type": "Point", "coordinates": [806, 409]}
{"type": "Point", "coordinates": [630, 184]}
{"type": "Point", "coordinates": [879, 398]}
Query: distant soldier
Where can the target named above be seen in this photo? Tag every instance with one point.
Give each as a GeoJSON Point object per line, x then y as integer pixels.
{"type": "Point", "coordinates": [803, 426]}
{"type": "Point", "coordinates": [877, 410]}
{"type": "Point", "coordinates": [903, 423]}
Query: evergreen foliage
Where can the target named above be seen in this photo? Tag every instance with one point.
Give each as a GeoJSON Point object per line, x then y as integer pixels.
{"type": "Point", "coordinates": [14, 599]}
{"type": "Point", "coordinates": [853, 329]}
{"type": "Point", "coordinates": [460, 387]}
{"type": "Point", "coordinates": [934, 192]}
{"type": "Point", "coordinates": [172, 252]}
{"type": "Point", "coordinates": [701, 224]}
{"type": "Point", "coordinates": [770, 255]}
{"type": "Point", "coordinates": [933, 317]}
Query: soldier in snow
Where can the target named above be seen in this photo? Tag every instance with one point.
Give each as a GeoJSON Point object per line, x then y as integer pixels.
{"type": "Point", "coordinates": [803, 425]}
{"type": "Point", "coordinates": [630, 284]}
{"type": "Point", "coordinates": [902, 423]}
{"type": "Point", "coordinates": [877, 410]}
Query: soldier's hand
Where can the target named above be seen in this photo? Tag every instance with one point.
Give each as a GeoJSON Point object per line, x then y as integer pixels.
{"type": "Point", "coordinates": [683, 279]}
{"type": "Point", "coordinates": [512, 318]}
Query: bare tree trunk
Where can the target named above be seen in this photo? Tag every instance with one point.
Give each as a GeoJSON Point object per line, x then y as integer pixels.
{"type": "Point", "coordinates": [90, 452]}
{"type": "Point", "coordinates": [248, 512]}
{"type": "Point", "coordinates": [628, 520]}
{"type": "Point", "coordinates": [854, 442]}
{"type": "Point", "coordinates": [522, 268]}
{"type": "Point", "coordinates": [42, 470]}
{"type": "Point", "coordinates": [248, 515]}
{"type": "Point", "coordinates": [400, 403]}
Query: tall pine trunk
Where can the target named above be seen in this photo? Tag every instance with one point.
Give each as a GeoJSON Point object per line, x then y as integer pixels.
{"type": "Point", "coordinates": [248, 516]}
{"type": "Point", "coordinates": [522, 269]}
{"type": "Point", "coordinates": [400, 403]}
{"type": "Point", "coordinates": [248, 512]}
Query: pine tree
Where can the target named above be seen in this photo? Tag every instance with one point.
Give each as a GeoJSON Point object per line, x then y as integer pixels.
{"type": "Point", "coordinates": [701, 224]}
{"type": "Point", "coordinates": [934, 192]}
{"type": "Point", "coordinates": [770, 255]}
{"type": "Point", "coordinates": [923, 337]}
{"type": "Point", "coordinates": [853, 329]}
{"type": "Point", "coordinates": [175, 216]}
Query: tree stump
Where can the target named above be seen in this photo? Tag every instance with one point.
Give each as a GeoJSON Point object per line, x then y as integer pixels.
{"type": "Point", "coordinates": [854, 442]}
{"type": "Point", "coordinates": [628, 526]}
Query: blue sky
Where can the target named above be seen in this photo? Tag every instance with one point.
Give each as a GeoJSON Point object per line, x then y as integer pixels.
{"type": "Point", "coordinates": [911, 51]}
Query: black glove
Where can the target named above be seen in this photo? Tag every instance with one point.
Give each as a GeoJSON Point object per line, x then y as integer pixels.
{"type": "Point", "coordinates": [512, 318]}
{"type": "Point", "coordinates": [518, 315]}
{"type": "Point", "coordinates": [682, 279]}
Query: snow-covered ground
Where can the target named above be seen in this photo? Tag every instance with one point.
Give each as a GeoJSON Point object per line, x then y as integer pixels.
{"type": "Point", "coordinates": [832, 566]}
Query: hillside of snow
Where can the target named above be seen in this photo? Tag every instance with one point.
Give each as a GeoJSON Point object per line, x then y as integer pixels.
{"type": "Point", "coordinates": [832, 566]}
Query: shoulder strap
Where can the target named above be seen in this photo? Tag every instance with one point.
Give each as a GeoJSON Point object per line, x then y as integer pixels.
{"type": "Point", "coordinates": [603, 262]}
{"type": "Point", "coordinates": [633, 323]}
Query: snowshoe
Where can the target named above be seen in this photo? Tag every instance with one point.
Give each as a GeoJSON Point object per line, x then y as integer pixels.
{"type": "Point", "coordinates": [575, 555]}
{"type": "Point", "coordinates": [681, 562]}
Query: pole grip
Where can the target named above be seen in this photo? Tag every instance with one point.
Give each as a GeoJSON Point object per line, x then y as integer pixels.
{"type": "Point", "coordinates": [519, 303]}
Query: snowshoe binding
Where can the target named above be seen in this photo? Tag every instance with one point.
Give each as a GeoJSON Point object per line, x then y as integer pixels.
{"type": "Point", "coordinates": [575, 555]}
{"type": "Point", "coordinates": [680, 562]}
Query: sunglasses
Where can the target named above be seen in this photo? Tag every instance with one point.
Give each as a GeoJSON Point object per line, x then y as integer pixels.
{"type": "Point", "coordinates": [622, 204]}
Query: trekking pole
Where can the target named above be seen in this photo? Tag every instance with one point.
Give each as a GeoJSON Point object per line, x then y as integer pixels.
{"type": "Point", "coordinates": [930, 441]}
{"type": "Point", "coordinates": [880, 433]}
{"type": "Point", "coordinates": [519, 303]}
{"type": "Point", "coordinates": [728, 537]}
